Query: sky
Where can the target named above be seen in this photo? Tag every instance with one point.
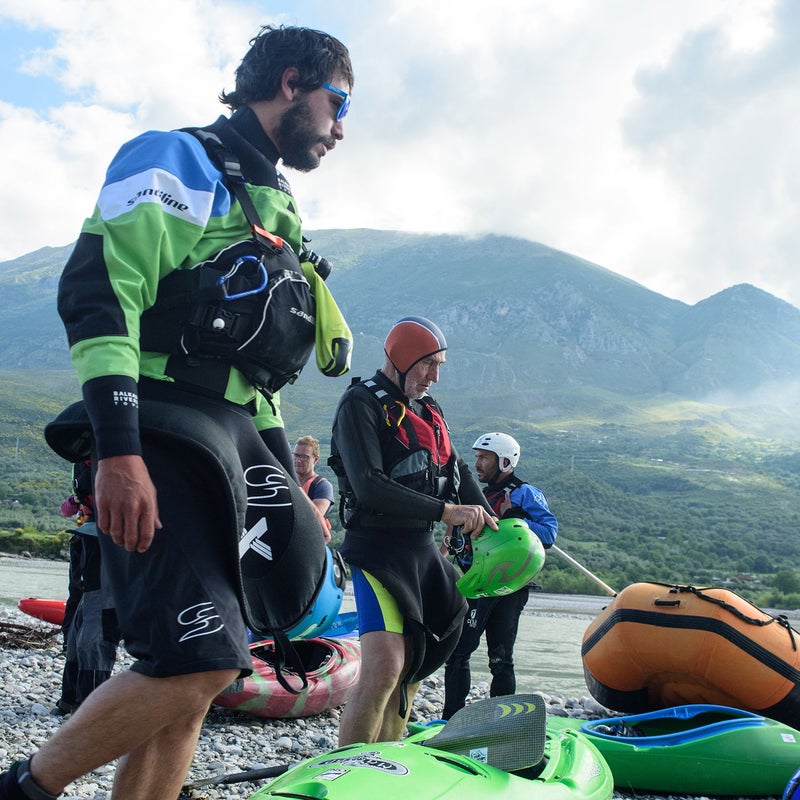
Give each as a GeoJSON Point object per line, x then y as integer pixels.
{"type": "Point", "coordinates": [656, 138]}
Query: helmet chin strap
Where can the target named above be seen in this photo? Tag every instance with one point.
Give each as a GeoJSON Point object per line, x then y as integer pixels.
{"type": "Point", "coordinates": [401, 376]}
{"type": "Point", "coordinates": [499, 473]}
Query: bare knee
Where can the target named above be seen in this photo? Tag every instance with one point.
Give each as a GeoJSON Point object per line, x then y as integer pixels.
{"type": "Point", "coordinates": [383, 661]}
{"type": "Point", "coordinates": [198, 689]}
{"type": "Point", "coordinates": [218, 680]}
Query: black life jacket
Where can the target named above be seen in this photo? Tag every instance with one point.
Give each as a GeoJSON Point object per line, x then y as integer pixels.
{"type": "Point", "coordinates": [495, 493]}
{"type": "Point", "coordinates": [249, 305]}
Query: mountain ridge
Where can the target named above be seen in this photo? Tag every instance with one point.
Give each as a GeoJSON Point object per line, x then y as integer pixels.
{"type": "Point", "coordinates": [556, 332]}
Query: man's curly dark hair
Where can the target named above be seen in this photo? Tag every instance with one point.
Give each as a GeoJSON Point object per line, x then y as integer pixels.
{"type": "Point", "coordinates": [317, 56]}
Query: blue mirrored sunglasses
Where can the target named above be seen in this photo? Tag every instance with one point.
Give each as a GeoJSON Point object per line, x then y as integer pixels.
{"type": "Point", "coordinates": [345, 106]}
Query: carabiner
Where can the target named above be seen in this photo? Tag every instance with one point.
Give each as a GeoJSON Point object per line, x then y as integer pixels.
{"type": "Point", "coordinates": [456, 542]}
{"type": "Point", "coordinates": [234, 269]}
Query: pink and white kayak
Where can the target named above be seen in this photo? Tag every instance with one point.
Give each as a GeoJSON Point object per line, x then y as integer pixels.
{"type": "Point", "coordinates": [332, 670]}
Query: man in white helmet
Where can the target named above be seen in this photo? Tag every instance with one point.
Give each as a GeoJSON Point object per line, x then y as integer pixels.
{"type": "Point", "coordinates": [497, 454]}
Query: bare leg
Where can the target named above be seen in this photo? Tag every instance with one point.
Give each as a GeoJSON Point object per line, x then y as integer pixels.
{"type": "Point", "coordinates": [394, 725]}
{"type": "Point", "coordinates": [157, 768]}
{"type": "Point", "coordinates": [127, 715]}
{"type": "Point", "coordinates": [383, 663]}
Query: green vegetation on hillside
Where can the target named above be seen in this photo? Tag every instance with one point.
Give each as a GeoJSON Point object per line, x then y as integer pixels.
{"type": "Point", "coordinates": [698, 506]}
{"type": "Point", "coordinates": [33, 480]}
{"type": "Point", "coordinates": [35, 543]}
{"type": "Point", "coordinates": [658, 496]}
{"type": "Point", "coordinates": [666, 436]}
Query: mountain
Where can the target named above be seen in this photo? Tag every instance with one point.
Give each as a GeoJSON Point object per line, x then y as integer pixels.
{"type": "Point", "coordinates": [31, 332]}
{"type": "Point", "coordinates": [664, 434]}
{"type": "Point", "coordinates": [534, 333]}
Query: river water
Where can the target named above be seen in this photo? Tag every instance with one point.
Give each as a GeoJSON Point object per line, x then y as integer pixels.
{"type": "Point", "coordinates": [547, 653]}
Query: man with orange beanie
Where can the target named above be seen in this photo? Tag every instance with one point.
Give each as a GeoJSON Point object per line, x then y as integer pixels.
{"type": "Point", "coordinates": [400, 474]}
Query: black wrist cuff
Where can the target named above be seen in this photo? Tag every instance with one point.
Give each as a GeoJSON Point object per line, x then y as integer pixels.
{"type": "Point", "coordinates": [28, 785]}
{"type": "Point", "coordinates": [112, 403]}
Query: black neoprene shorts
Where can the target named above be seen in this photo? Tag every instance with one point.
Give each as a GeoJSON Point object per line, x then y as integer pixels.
{"type": "Point", "coordinates": [177, 603]}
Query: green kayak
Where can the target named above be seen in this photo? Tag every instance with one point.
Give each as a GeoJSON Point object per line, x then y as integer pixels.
{"type": "Point", "coordinates": [694, 749]}
{"type": "Point", "coordinates": [561, 765]}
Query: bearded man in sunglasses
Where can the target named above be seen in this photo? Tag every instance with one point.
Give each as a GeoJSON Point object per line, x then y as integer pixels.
{"type": "Point", "coordinates": [187, 441]}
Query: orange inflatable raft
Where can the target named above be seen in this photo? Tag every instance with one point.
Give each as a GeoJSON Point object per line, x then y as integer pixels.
{"type": "Point", "coordinates": [659, 645]}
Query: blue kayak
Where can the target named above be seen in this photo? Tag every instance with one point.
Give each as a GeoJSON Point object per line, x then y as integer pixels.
{"type": "Point", "coordinates": [345, 626]}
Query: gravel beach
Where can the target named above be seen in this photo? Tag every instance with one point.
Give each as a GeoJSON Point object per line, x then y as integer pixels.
{"type": "Point", "coordinates": [230, 742]}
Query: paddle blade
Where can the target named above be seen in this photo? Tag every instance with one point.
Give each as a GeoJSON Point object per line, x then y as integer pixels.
{"type": "Point", "coordinates": [506, 732]}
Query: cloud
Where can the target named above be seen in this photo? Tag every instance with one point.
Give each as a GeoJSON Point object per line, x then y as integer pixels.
{"type": "Point", "coordinates": [656, 139]}
{"type": "Point", "coordinates": [513, 125]}
{"type": "Point", "coordinates": [123, 68]}
{"type": "Point", "coordinates": [56, 167]}
{"type": "Point", "coordinates": [721, 121]}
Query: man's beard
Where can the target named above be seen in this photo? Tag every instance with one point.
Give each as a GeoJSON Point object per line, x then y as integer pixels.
{"type": "Point", "coordinates": [297, 135]}
{"type": "Point", "coordinates": [414, 394]}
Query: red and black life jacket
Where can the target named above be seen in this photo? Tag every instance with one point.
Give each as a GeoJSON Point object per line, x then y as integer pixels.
{"type": "Point", "coordinates": [495, 493]}
{"type": "Point", "coordinates": [422, 461]}
{"type": "Point", "coordinates": [416, 453]}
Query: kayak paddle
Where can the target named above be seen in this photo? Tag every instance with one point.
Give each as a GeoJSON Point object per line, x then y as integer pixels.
{"type": "Point", "coordinates": [506, 732]}
{"type": "Point", "coordinates": [239, 777]}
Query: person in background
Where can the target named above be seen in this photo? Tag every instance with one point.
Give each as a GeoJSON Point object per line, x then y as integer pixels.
{"type": "Point", "coordinates": [194, 491]}
{"type": "Point", "coordinates": [319, 489]}
{"type": "Point", "coordinates": [78, 504]}
{"type": "Point", "coordinates": [399, 475]}
{"type": "Point", "coordinates": [497, 455]}
{"type": "Point", "coordinates": [90, 628]}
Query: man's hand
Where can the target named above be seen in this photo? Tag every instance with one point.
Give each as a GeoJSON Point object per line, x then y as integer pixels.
{"type": "Point", "coordinates": [472, 519]}
{"type": "Point", "coordinates": [125, 502]}
{"type": "Point", "coordinates": [326, 534]}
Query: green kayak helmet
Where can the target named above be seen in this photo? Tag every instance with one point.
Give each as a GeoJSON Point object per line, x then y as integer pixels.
{"type": "Point", "coordinates": [503, 561]}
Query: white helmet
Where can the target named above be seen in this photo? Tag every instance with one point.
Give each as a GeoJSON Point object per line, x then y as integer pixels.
{"type": "Point", "coordinates": [504, 446]}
